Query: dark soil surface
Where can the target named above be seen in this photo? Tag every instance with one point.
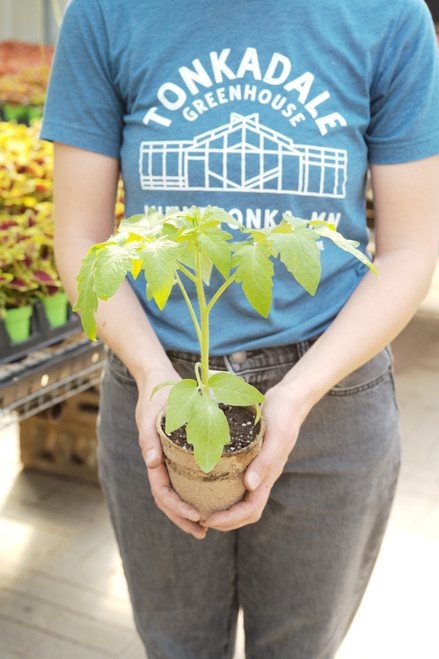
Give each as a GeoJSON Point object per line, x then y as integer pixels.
{"type": "Point", "coordinates": [242, 429]}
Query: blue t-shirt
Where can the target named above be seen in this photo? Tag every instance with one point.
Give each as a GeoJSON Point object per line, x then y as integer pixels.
{"type": "Point", "coordinates": [257, 107]}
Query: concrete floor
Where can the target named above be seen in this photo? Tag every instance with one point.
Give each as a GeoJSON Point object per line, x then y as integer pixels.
{"type": "Point", "coordinates": [62, 591]}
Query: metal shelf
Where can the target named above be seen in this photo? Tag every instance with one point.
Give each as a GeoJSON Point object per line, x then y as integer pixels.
{"type": "Point", "coordinates": [49, 376]}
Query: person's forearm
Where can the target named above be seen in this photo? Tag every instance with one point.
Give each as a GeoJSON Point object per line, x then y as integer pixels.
{"type": "Point", "coordinates": [374, 315]}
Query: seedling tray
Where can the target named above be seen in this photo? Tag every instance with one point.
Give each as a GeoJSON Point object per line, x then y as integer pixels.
{"type": "Point", "coordinates": [42, 334]}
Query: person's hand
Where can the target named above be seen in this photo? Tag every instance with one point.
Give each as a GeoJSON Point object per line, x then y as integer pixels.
{"type": "Point", "coordinates": [185, 516]}
{"type": "Point", "coordinates": [283, 422]}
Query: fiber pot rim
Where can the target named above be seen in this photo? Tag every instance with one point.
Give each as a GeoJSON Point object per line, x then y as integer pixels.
{"type": "Point", "coordinates": [190, 451]}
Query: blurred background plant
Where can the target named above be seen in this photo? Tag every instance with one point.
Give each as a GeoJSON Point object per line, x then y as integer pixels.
{"type": "Point", "coordinates": [24, 74]}
{"type": "Point", "coordinates": [27, 265]}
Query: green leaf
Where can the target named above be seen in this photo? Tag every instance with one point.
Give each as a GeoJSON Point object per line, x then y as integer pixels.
{"type": "Point", "coordinates": [194, 215]}
{"type": "Point", "coordinates": [299, 253]}
{"type": "Point", "coordinates": [160, 386]}
{"type": "Point", "coordinates": [255, 271]}
{"type": "Point", "coordinates": [208, 432]}
{"type": "Point", "coordinates": [146, 226]}
{"type": "Point", "coordinates": [293, 221]}
{"type": "Point", "coordinates": [87, 300]}
{"type": "Point", "coordinates": [160, 263]}
{"type": "Point", "coordinates": [206, 267]}
{"type": "Point", "coordinates": [190, 254]}
{"type": "Point", "coordinates": [220, 216]}
{"type": "Point", "coordinates": [214, 241]}
{"type": "Point", "coordinates": [187, 257]}
{"type": "Point", "coordinates": [181, 400]}
{"type": "Point", "coordinates": [325, 231]}
{"type": "Point", "coordinates": [113, 263]}
{"type": "Point", "coordinates": [233, 390]}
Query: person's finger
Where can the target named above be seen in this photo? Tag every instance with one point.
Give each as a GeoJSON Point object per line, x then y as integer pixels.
{"type": "Point", "coordinates": [268, 464]}
{"type": "Point", "coordinates": [152, 454]}
{"type": "Point", "coordinates": [167, 496]}
{"type": "Point", "coordinates": [247, 511]}
{"type": "Point", "coordinates": [149, 440]}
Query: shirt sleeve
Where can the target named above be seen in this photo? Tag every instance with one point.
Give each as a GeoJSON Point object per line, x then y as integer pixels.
{"type": "Point", "coordinates": [404, 120]}
{"type": "Point", "coordinates": [83, 107]}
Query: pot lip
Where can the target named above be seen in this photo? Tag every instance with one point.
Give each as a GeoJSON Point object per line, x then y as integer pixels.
{"type": "Point", "coordinates": [56, 297]}
{"type": "Point", "coordinates": [185, 451]}
{"type": "Point", "coordinates": [24, 310]}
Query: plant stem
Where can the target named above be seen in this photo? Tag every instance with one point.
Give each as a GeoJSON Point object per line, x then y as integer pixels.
{"type": "Point", "coordinates": [219, 292]}
{"type": "Point", "coordinates": [188, 273]}
{"type": "Point", "coordinates": [190, 307]}
{"type": "Point", "coordinates": [204, 318]}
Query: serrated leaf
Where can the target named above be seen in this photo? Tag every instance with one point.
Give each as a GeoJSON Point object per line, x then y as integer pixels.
{"type": "Point", "coordinates": [258, 235]}
{"type": "Point", "coordinates": [177, 222]}
{"type": "Point", "coordinates": [171, 232]}
{"type": "Point", "coordinates": [87, 300]}
{"type": "Point", "coordinates": [292, 220]}
{"type": "Point", "coordinates": [112, 265]}
{"type": "Point", "coordinates": [159, 263]}
{"type": "Point", "coordinates": [214, 241]}
{"type": "Point", "coordinates": [220, 215]}
{"type": "Point", "coordinates": [186, 256]}
{"type": "Point", "coordinates": [146, 226]}
{"type": "Point", "coordinates": [255, 270]}
{"type": "Point", "coordinates": [234, 390]}
{"type": "Point", "coordinates": [137, 267]}
{"type": "Point", "coordinates": [208, 432]}
{"type": "Point", "coordinates": [181, 401]}
{"type": "Point", "coordinates": [206, 267]}
{"type": "Point", "coordinates": [347, 245]}
{"type": "Point", "coordinates": [189, 255]}
{"type": "Point", "coordinates": [299, 253]}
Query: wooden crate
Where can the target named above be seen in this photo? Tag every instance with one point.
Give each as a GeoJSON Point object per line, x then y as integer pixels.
{"type": "Point", "coordinates": [62, 439]}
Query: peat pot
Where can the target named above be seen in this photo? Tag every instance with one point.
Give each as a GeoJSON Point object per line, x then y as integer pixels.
{"type": "Point", "coordinates": [222, 487]}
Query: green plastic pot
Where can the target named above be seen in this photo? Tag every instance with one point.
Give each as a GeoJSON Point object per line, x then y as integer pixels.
{"type": "Point", "coordinates": [56, 308]}
{"type": "Point", "coordinates": [17, 323]}
{"type": "Point", "coordinates": [34, 112]}
{"type": "Point", "coordinates": [15, 113]}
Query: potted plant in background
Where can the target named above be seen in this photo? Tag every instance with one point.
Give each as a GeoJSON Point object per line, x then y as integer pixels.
{"type": "Point", "coordinates": [24, 74]}
{"type": "Point", "coordinates": [27, 264]}
{"type": "Point", "coordinates": [28, 272]}
{"type": "Point", "coordinates": [171, 250]}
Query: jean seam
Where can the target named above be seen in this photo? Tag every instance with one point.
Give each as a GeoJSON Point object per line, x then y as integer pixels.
{"type": "Point", "coordinates": [232, 610]}
{"type": "Point", "coordinates": [120, 377]}
{"type": "Point", "coordinates": [264, 369]}
{"type": "Point", "coordinates": [348, 391]}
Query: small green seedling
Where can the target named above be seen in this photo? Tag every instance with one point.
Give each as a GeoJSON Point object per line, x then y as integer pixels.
{"type": "Point", "coordinates": [181, 246]}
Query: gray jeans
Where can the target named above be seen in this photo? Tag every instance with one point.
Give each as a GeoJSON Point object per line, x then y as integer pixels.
{"type": "Point", "coordinates": [299, 573]}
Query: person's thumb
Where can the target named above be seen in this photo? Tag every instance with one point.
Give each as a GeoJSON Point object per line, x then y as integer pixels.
{"type": "Point", "coordinates": [149, 440]}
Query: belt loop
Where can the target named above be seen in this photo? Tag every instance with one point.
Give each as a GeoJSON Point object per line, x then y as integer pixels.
{"type": "Point", "coordinates": [228, 364]}
{"type": "Point", "coordinates": [304, 346]}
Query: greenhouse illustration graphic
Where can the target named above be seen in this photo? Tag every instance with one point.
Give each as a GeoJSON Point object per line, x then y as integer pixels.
{"type": "Point", "coordinates": [244, 156]}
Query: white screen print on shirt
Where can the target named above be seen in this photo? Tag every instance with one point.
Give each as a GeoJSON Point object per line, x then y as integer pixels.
{"type": "Point", "coordinates": [243, 154]}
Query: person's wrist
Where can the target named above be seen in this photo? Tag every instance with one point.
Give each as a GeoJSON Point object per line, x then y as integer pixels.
{"type": "Point", "coordinates": [297, 395]}
{"type": "Point", "coordinates": [148, 375]}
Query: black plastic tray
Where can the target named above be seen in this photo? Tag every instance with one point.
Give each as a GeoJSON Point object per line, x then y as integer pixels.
{"type": "Point", "coordinates": [49, 375]}
{"type": "Point", "coordinates": [42, 334]}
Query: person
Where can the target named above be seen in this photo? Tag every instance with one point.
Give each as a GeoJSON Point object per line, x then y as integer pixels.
{"type": "Point", "coordinates": [260, 109]}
